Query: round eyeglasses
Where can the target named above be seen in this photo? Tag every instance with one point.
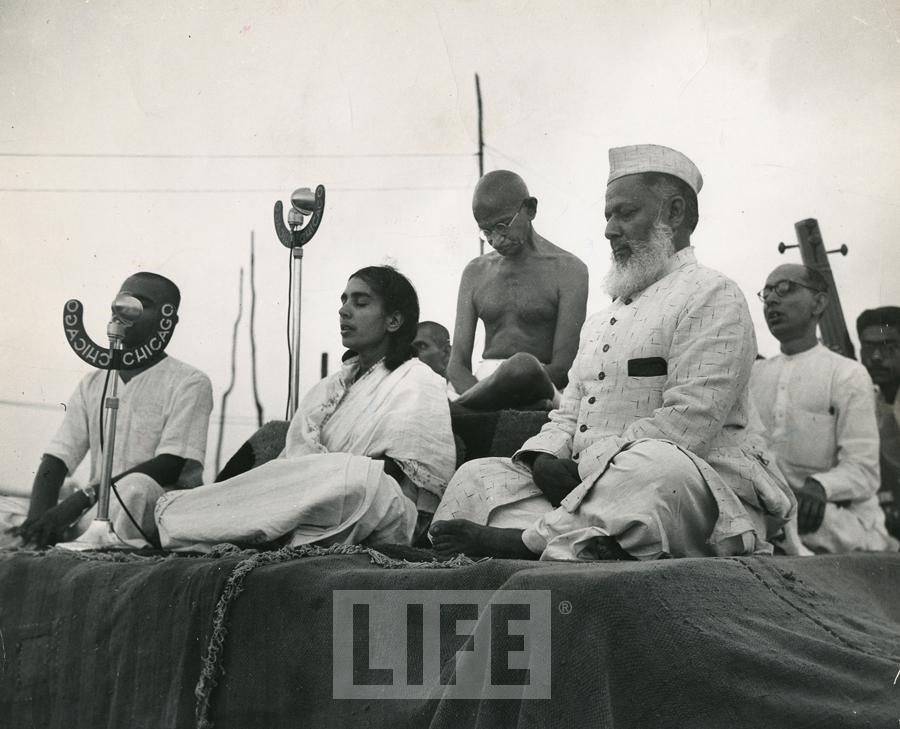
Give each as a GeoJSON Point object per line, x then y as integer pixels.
{"type": "Point", "coordinates": [783, 288]}
{"type": "Point", "coordinates": [500, 230]}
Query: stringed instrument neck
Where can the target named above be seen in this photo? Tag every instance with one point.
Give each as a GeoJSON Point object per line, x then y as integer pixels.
{"type": "Point", "coordinates": [812, 251]}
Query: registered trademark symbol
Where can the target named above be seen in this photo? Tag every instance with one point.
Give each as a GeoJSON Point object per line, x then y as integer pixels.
{"type": "Point", "coordinates": [565, 607]}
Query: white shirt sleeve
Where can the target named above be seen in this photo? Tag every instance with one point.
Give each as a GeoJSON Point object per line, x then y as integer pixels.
{"type": "Point", "coordinates": [856, 476]}
{"type": "Point", "coordinates": [187, 423]}
{"type": "Point", "coordinates": [72, 440]}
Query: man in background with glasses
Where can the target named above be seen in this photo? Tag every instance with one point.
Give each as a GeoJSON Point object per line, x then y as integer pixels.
{"type": "Point", "coordinates": [819, 416]}
{"type": "Point", "coordinates": [879, 349]}
{"type": "Point", "coordinates": [531, 297]}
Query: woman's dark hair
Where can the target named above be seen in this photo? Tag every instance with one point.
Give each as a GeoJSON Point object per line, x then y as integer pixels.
{"type": "Point", "coordinates": [397, 295]}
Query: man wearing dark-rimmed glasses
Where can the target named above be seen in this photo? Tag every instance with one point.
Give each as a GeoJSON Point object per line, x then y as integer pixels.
{"type": "Point", "coordinates": [819, 416]}
{"type": "Point", "coordinates": [531, 297]}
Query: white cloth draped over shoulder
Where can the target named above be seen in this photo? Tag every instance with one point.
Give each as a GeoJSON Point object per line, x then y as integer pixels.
{"type": "Point", "coordinates": [329, 485]}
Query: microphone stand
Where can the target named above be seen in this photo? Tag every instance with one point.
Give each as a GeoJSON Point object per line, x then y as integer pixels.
{"type": "Point", "coordinates": [295, 235]}
{"type": "Point", "coordinates": [100, 534]}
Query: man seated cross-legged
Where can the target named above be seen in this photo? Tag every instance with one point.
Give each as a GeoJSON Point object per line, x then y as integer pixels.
{"type": "Point", "coordinates": [648, 453]}
{"type": "Point", "coordinates": [818, 413]}
{"type": "Point", "coordinates": [531, 296]}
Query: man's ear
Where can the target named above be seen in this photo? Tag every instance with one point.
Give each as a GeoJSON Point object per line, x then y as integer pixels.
{"type": "Point", "coordinates": [821, 304]}
{"type": "Point", "coordinates": [529, 205]}
{"type": "Point", "coordinates": [394, 321]}
{"type": "Point", "coordinates": [675, 209]}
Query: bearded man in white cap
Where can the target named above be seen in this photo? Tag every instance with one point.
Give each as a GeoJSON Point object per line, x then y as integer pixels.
{"type": "Point", "coordinates": [648, 454]}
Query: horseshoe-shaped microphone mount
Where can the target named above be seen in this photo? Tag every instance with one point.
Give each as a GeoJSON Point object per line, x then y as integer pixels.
{"type": "Point", "coordinates": [127, 358]}
{"type": "Point", "coordinates": [303, 203]}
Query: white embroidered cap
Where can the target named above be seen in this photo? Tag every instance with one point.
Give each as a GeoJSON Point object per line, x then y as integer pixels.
{"type": "Point", "coordinates": [639, 158]}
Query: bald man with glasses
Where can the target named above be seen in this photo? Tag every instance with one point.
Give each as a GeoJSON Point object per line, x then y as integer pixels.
{"type": "Point", "coordinates": [818, 413]}
{"type": "Point", "coordinates": [531, 297]}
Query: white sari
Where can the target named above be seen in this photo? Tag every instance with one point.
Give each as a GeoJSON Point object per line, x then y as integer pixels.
{"type": "Point", "coordinates": [329, 485]}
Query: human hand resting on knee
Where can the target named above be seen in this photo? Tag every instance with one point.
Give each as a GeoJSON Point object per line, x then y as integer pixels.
{"type": "Point", "coordinates": [555, 477]}
{"type": "Point", "coordinates": [811, 502]}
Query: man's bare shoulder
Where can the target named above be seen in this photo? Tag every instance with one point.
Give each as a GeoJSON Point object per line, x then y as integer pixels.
{"type": "Point", "coordinates": [567, 264]}
{"type": "Point", "coordinates": [480, 265]}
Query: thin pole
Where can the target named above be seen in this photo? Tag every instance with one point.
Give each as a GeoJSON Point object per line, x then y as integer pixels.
{"type": "Point", "coordinates": [225, 395]}
{"type": "Point", "coordinates": [480, 145]}
{"type": "Point", "coordinates": [297, 262]}
{"type": "Point", "coordinates": [259, 407]}
{"type": "Point", "coordinates": [112, 410]}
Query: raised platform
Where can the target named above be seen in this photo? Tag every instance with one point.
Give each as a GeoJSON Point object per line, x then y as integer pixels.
{"type": "Point", "coordinates": [246, 640]}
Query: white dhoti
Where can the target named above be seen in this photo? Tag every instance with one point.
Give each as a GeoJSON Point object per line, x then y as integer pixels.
{"type": "Point", "coordinates": [652, 499]}
{"type": "Point", "coordinates": [329, 484]}
{"type": "Point", "coordinates": [848, 530]}
{"type": "Point", "coordinates": [324, 498]}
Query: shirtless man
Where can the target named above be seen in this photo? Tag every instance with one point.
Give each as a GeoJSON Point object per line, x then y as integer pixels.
{"type": "Point", "coordinates": [531, 296]}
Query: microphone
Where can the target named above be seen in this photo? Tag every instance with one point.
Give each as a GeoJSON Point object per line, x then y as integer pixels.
{"type": "Point", "coordinates": [126, 310]}
{"type": "Point", "coordinates": [303, 204]}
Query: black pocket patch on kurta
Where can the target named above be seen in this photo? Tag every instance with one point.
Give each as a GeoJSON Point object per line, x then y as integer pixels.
{"type": "Point", "coordinates": [647, 367]}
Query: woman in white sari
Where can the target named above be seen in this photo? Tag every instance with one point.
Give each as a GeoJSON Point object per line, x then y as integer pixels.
{"type": "Point", "coordinates": [368, 452]}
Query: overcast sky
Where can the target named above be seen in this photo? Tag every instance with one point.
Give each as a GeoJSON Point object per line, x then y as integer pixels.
{"type": "Point", "coordinates": [157, 136]}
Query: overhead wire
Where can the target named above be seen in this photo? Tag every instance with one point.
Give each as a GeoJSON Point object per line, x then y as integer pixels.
{"type": "Point", "coordinates": [212, 191]}
{"type": "Point", "coordinates": [151, 155]}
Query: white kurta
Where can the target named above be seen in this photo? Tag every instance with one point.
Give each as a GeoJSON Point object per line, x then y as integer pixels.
{"type": "Point", "coordinates": [163, 410]}
{"type": "Point", "coordinates": [669, 364]}
{"type": "Point", "coordinates": [328, 485]}
{"type": "Point", "coordinates": [818, 412]}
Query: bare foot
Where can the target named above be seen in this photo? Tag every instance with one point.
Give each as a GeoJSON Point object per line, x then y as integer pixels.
{"type": "Point", "coordinates": [461, 536]}
{"type": "Point", "coordinates": [607, 548]}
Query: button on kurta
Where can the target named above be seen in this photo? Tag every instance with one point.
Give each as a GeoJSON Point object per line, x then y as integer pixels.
{"type": "Point", "coordinates": [582, 428]}
{"type": "Point", "coordinates": [592, 400]}
{"type": "Point", "coordinates": [605, 347]}
{"type": "Point", "coordinates": [601, 376]}
{"type": "Point", "coordinates": [627, 301]}
{"type": "Point", "coordinates": [613, 320]}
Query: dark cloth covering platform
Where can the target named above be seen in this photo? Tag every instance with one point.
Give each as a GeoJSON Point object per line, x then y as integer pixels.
{"type": "Point", "coordinates": [123, 641]}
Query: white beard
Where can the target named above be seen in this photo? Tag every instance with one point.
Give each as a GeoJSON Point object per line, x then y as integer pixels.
{"type": "Point", "coordinates": [646, 264]}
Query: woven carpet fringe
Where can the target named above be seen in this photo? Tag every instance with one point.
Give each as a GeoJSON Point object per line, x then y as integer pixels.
{"type": "Point", "coordinates": [209, 673]}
